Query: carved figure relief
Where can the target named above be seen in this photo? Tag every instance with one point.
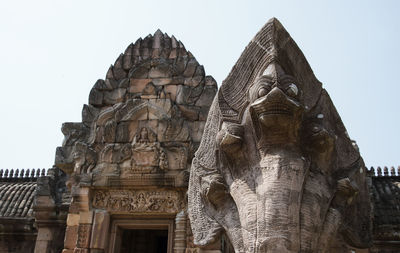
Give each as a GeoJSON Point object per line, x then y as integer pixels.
{"type": "Point", "coordinates": [275, 170]}
{"type": "Point", "coordinates": [147, 154]}
{"type": "Point", "coordinates": [84, 158]}
{"type": "Point", "coordinates": [138, 201]}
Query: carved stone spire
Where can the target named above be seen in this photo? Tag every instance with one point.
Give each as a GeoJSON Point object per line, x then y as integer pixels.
{"type": "Point", "coordinates": [156, 87]}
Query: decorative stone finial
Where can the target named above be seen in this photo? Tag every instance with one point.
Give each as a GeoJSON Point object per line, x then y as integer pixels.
{"type": "Point", "coordinates": [386, 171]}
{"type": "Point", "coordinates": [379, 171]}
{"type": "Point", "coordinates": [392, 171]}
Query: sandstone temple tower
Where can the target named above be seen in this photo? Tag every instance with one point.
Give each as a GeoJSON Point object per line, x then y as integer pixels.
{"type": "Point", "coordinates": [128, 161]}
{"type": "Point", "coordinates": [163, 161]}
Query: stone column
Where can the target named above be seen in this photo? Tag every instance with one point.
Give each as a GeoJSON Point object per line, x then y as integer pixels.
{"type": "Point", "coordinates": [85, 220]}
{"type": "Point", "coordinates": [43, 238]}
{"type": "Point", "coordinates": [50, 218]}
{"type": "Point", "coordinates": [71, 233]}
{"type": "Point", "coordinates": [84, 232]}
{"type": "Point", "coordinates": [100, 236]}
{"type": "Point", "coordinates": [79, 222]}
{"type": "Point", "coordinates": [180, 232]}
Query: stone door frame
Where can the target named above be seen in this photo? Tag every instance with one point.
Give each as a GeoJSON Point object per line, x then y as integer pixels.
{"type": "Point", "coordinates": [119, 224]}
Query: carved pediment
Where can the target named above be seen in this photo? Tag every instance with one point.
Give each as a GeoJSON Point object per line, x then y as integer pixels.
{"type": "Point", "coordinates": [146, 117]}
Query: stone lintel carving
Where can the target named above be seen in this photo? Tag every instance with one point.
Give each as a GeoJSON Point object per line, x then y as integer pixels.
{"type": "Point", "coordinates": [157, 201]}
{"type": "Point", "coordinates": [276, 170]}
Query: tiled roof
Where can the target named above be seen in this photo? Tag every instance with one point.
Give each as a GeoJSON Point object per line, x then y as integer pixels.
{"type": "Point", "coordinates": [16, 199]}
{"type": "Point", "coordinates": [17, 192]}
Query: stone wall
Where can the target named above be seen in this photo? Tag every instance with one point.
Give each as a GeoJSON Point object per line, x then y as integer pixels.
{"type": "Point", "coordinates": [17, 243]}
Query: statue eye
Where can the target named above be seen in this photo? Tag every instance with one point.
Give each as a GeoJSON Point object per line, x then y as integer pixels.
{"type": "Point", "coordinates": [263, 91]}
{"type": "Point", "coordinates": [292, 90]}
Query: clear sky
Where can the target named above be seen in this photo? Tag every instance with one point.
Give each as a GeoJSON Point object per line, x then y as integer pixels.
{"type": "Point", "coordinates": [52, 52]}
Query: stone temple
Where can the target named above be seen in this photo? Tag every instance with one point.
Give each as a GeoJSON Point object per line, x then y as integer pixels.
{"type": "Point", "coordinates": [163, 161]}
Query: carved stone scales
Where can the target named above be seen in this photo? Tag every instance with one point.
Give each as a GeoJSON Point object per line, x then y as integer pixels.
{"type": "Point", "coordinates": [276, 170]}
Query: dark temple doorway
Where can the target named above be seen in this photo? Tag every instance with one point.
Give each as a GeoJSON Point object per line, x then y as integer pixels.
{"type": "Point", "coordinates": [144, 241]}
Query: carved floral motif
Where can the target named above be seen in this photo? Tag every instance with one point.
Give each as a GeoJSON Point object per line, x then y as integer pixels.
{"type": "Point", "coordinates": [84, 235]}
{"type": "Point", "coordinates": [131, 201]}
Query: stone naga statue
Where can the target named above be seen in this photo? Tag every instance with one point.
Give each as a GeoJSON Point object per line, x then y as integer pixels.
{"type": "Point", "coordinates": [276, 170]}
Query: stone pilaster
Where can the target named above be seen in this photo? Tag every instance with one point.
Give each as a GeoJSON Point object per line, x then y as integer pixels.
{"type": "Point", "coordinates": [49, 213]}
{"type": "Point", "coordinates": [100, 235]}
{"type": "Point", "coordinates": [180, 232]}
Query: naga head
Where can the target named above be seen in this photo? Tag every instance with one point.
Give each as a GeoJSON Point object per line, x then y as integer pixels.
{"type": "Point", "coordinates": [275, 107]}
{"type": "Point", "coordinates": [276, 170]}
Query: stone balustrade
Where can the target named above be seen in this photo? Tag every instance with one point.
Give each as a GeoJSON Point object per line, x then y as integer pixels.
{"type": "Point", "coordinates": [30, 174]}
{"type": "Point", "coordinates": [383, 172]}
